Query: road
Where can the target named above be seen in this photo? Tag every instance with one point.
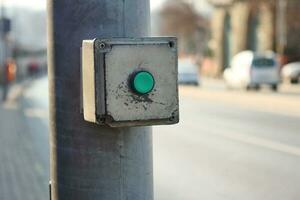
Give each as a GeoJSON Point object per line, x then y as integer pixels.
{"type": "Point", "coordinates": [222, 150]}
{"type": "Point", "coordinates": [24, 149]}
{"type": "Point", "coordinates": [228, 145]}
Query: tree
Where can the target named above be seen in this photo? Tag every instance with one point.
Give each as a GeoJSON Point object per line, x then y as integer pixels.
{"type": "Point", "coordinates": [180, 19]}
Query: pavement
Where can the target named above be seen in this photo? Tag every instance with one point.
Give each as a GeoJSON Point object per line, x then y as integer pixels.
{"type": "Point", "coordinates": [23, 150]}
{"type": "Point", "coordinates": [228, 145]}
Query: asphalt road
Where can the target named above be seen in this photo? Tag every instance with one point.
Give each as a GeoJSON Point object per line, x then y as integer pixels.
{"type": "Point", "coordinates": [221, 150]}
{"type": "Point", "coordinates": [228, 145]}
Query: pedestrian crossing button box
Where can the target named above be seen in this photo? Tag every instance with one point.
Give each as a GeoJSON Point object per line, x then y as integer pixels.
{"type": "Point", "coordinates": [130, 81]}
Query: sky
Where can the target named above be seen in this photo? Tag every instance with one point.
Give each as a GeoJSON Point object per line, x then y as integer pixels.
{"type": "Point", "coordinates": [156, 4]}
{"type": "Point", "coordinates": [41, 4]}
{"type": "Point", "coordinates": [33, 4]}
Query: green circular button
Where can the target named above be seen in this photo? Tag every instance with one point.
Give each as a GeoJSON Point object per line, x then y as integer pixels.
{"type": "Point", "coordinates": [143, 82]}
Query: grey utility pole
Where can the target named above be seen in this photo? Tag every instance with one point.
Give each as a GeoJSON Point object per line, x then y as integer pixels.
{"type": "Point", "coordinates": [3, 34]}
{"type": "Point", "coordinates": [88, 161]}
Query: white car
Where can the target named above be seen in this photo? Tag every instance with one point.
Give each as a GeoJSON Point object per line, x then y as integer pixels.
{"type": "Point", "coordinates": [188, 72]}
{"type": "Point", "coordinates": [250, 70]}
{"type": "Point", "coordinates": [291, 72]}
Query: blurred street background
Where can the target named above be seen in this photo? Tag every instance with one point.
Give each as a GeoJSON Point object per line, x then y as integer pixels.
{"type": "Point", "coordinates": [239, 73]}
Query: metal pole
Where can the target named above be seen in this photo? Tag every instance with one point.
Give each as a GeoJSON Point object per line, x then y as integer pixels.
{"type": "Point", "coordinates": [3, 49]}
{"type": "Point", "coordinates": [3, 53]}
{"type": "Point", "coordinates": [89, 161]}
{"type": "Point", "coordinates": [4, 33]}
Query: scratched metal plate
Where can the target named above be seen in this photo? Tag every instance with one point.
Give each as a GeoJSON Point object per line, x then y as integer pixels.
{"type": "Point", "coordinates": [122, 103]}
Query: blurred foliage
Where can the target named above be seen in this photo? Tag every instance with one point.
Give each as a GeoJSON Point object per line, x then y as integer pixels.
{"type": "Point", "coordinates": [208, 52]}
{"type": "Point", "coordinates": [180, 19]}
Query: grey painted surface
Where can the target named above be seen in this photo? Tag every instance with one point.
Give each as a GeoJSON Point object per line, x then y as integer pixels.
{"type": "Point", "coordinates": [121, 63]}
{"type": "Point", "coordinates": [90, 161]}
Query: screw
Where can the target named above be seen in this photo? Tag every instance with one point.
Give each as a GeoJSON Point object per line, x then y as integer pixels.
{"type": "Point", "coordinates": [172, 118]}
{"type": "Point", "coordinates": [102, 45]}
{"type": "Point", "coordinates": [171, 44]}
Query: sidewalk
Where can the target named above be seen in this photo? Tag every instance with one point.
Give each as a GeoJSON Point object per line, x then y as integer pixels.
{"type": "Point", "coordinates": [286, 101]}
{"type": "Point", "coordinates": [23, 169]}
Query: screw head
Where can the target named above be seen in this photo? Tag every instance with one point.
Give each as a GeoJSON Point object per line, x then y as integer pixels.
{"type": "Point", "coordinates": [102, 45]}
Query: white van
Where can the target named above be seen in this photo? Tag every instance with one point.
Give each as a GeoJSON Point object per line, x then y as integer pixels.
{"type": "Point", "coordinates": [251, 70]}
{"type": "Point", "coordinates": [188, 72]}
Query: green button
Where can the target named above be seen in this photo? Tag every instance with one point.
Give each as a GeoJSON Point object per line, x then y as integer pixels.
{"type": "Point", "coordinates": [143, 82]}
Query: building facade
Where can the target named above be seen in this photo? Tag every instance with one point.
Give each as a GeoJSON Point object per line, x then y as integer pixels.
{"type": "Point", "coordinates": [257, 25]}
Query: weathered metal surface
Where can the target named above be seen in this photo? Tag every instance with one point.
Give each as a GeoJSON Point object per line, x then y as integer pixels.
{"type": "Point", "coordinates": [119, 59]}
{"type": "Point", "coordinates": [124, 60]}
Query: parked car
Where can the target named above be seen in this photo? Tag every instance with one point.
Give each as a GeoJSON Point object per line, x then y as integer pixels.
{"type": "Point", "coordinates": [291, 72]}
{"type": "Point", "coordinates": [250, 70]}
{"type": "Point", "coordinates": [188, 72]}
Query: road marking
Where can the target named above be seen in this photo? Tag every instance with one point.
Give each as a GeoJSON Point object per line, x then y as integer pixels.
{"type": "Point", "coordinates": [252, 140]}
